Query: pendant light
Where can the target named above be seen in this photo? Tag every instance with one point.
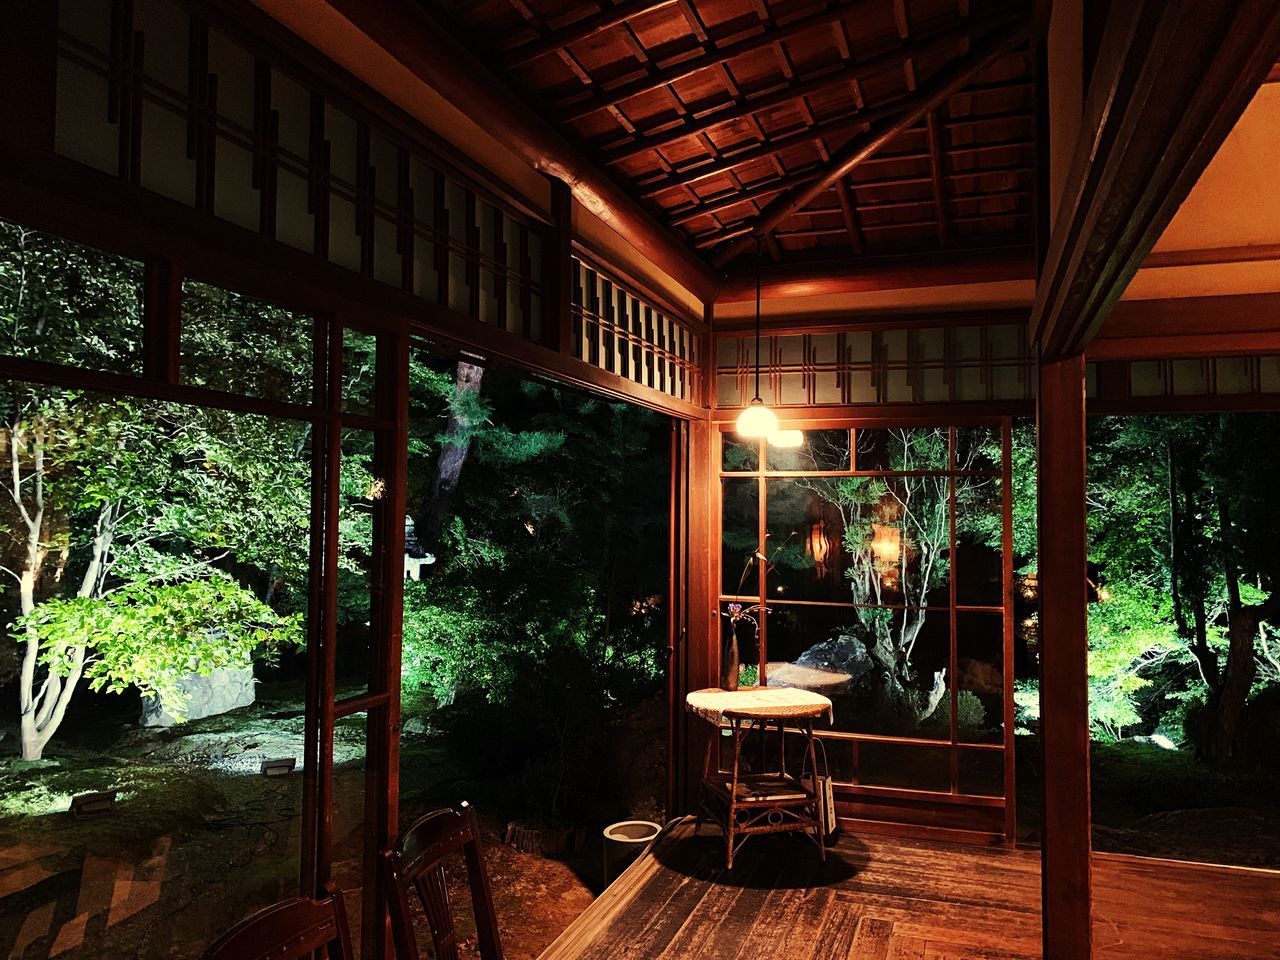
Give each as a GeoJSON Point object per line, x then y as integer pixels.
{"type": "Point", "coordinates": [757, 420]}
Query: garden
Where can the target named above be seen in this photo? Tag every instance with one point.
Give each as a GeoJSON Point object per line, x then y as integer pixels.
{"type": "Point", "coordinates": [156, 560]}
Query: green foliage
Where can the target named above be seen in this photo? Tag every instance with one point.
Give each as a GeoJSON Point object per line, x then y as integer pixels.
{"type": "Point", "coordinates": [148, 635]}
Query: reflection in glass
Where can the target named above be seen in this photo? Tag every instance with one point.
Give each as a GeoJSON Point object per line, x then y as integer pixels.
{"type": "Point", "coordinates": [740, 536]}
{"type": "Point", "coordinates": [979, 567]}
{"type": "Point", "coordinates": [981, 772]}
{"type": "Point", "coordinates": [978, 448]}
{"type": "Point", "coordinates": [905, 766]}
{"type": "Point", "coordinates": [804, 544]}
{"type": "Point", "coordinates": [897, 449]}
{"type": "Point", "coordinates": [820, 450]}
{"type": "Point", "coordinates": [362, 493]}
{"type": "Point", "coordinates": [980, 677]}
{"type": "Point", "coordinates": [739, 456]}
{"type": "Point", "coordinates": [884, 669]}
{"type": "Point", "coordinates": [359, 368]}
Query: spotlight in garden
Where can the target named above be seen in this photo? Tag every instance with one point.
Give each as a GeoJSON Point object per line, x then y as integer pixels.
{"type": "Point", "coordinates": [93, 804]}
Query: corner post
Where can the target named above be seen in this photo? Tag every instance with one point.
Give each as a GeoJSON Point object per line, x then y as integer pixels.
{"type": "Point", "coordinates": [1064, 643]}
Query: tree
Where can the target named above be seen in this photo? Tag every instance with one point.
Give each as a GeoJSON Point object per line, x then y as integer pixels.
{"type": "Point", "coordinates": [897, 545]}
{"type": "Point", "coordinates": [126, 516]}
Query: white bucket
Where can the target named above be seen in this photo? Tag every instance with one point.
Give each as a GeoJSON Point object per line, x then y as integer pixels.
{"type": "Point", "coordinates": [623, 842]}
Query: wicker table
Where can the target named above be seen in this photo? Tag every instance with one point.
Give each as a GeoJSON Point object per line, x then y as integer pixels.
{"type": "Point", "coordinates": [768, 799]}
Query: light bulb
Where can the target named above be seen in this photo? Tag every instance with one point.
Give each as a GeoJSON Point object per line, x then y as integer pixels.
{"type": "Point", "coordinates": [788, 439]}
{"type": "Point", "coordinates": [757, 420]}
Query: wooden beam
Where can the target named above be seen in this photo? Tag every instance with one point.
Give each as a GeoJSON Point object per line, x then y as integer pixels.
{"type": "Point", "coordinates": [930, 95]}
{"type": "Point", "coordinates": [715, 55]}
{"type": "Point", "coordinates": [737, 157]}
{"type": "Point", "coordinates": [1064, 649]}
{"type": "Point", "coordinates": [559, 38]}
{"type": "Point", "coordinates": [882, 273]}
{"type": "Point", "coordinates": [844, 75]}
{"type": "Point", "coordinates": [1236, 325]}
{"type": "Point", "coordinates": [1171, 79]}
{"type": "Point", "coordinates": [937, 168]}
{"type": "Point", "coordinates": [346, 30]}
{"type": "Point", "coordinates": [850, 215]}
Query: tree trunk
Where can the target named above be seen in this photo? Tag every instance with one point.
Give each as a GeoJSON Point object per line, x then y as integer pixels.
{"type": "Point", "coordinates": [1237, 677]}
{"type": "Point", "coordinates": [453, 456]}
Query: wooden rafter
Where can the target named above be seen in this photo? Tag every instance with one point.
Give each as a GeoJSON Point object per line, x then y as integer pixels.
{"type": "Point", "coordinates": [855, 71]}
{"type": "Point", "coordinates": [556, 40]}
{"type": "Point", "coordinates": [930, 94]}
{"type": "Point", "coordinates": [937, 174]}
{"type": "Point", "coordinates": [715, 55]}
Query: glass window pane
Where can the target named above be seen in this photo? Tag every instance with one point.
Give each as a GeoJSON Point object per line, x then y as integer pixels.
{"type": "Point", "coordinates": [897, 539]}
{"type": "Point", "coordinates": [981, 772]}
{"type": "Point", "coordinates": [61, 302]}
{"type": "Point", "coordinates": [739, 456]}
{"type": "Point", "coordinates": [350, 740]}
{"type": "Point", "coordinates": [241, 345]}
{"type": "Point", "coordinates": [902, 448]}
{"type": "Point", "coordinates": [904, 766]}
{"type": "Point", "coordinates": [362, 491]}
{"type": "Point", "coordinates": [978, 448]}
{"type": "Point", "coordinates": [740, 537]}
{"type": "Point", "coordinates": [979, 562]}
{"type": "Point", "coordinates": [804, 543]}
{"type": "Point", "coordinates": [359, 369]}
{"type": "Point", "coordinates": [821, 450]}
{"type": "Point", "coordinates": [884, 669]}
{"type": "Point", "coordinates": [980, 677]}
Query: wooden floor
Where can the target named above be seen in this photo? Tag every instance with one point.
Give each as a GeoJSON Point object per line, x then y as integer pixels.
{"type": "Point", "coordinates": [883, 898]}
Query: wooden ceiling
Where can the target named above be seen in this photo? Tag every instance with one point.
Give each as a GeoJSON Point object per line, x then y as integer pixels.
{"type": "Point", "coordinates": [820, 128]}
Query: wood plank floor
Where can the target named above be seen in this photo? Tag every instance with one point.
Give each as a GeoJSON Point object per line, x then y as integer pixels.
{"type": "Point", "coordinates": [881, 898]}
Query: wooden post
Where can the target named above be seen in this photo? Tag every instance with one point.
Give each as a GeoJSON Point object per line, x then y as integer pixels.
{"type": "Point", "coordinates": [1064, 691]}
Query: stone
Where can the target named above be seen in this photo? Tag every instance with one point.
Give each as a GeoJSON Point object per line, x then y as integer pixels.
{"type": "Point", "coordinates": [205, 695]}
{"type": "Point", "coordinates": [841, 654]}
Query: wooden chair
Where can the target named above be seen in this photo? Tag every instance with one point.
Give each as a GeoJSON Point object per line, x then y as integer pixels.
{"type": "Point", "coordinates": [289, 930]}
{"type": "Point", "coordinates": [417, 864]}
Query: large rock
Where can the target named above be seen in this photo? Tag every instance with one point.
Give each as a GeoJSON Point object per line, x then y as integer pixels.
{"type": "Point", "coordinates": [841, 654]}
{"type": "Point", "coordinates": [204, 695]}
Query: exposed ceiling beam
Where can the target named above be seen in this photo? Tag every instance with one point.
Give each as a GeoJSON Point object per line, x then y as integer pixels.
{"type": "Point", "coordinates": [741, 156]}
{"type": "Point", "coordinates": [348, 30]}
{"type": "Point", "coordinates": [936, 172]}
{"type": "Point", "coordinates": [1238, 324]}
{"type": "Point", "coordinates": [882, 273]}
{"type": "Point", "coordinates": [558, 39]}
{"type": "Point", "coordinates": [930, 95]}
{"type": "Point", "coordinates": [1171, 79]}
{"type": "Point", "coordinates": [738, 108]}
{"type": "Point", "coordinates": [715, 54]}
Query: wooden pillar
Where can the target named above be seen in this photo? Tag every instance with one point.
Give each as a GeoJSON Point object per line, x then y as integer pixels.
{"type": "Point", "coordinates": [693, 596]}
{"type": "Point", "coordinates": [1064, 691]}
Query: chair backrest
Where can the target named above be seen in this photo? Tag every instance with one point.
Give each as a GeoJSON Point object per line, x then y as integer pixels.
{"type": "Point", "coordinates": [417, 864]}
{"type": "Point", "coordinates": [289, 930]}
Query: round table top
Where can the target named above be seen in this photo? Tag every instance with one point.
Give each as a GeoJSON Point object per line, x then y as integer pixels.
{"type": "Point", "coordinates": [757, 703]}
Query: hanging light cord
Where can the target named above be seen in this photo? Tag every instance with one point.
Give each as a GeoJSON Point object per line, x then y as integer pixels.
{"type": "Point", "coordinates": [757, 396]}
